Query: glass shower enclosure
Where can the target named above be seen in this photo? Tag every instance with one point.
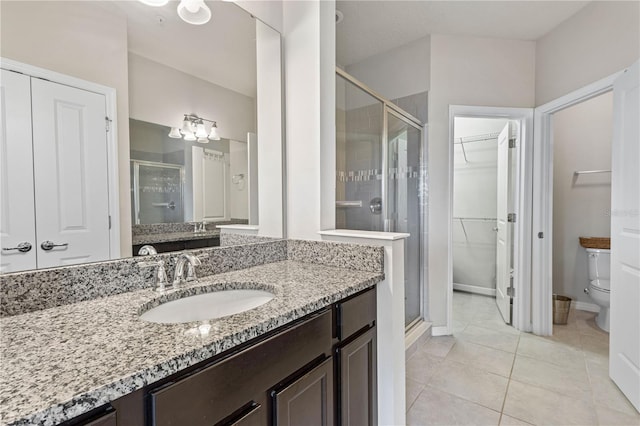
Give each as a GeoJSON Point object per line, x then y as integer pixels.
{"type": "Point", "coordinates": [380, 177]}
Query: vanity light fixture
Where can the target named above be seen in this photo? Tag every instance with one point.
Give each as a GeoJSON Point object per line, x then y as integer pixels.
{"type": "Point", "coordinates": [193, 129]}
{"type": "Point", "coordinates": [194, 12]}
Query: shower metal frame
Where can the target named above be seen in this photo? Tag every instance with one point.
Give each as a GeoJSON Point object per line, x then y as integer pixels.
{"type": "Point", "coordinates": [389, 107]}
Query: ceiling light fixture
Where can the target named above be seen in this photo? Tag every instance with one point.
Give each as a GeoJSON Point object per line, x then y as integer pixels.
{"type": "Point", "coordinates": [193, 129]}
{"type": "Point", "coordinates": [194, 12]}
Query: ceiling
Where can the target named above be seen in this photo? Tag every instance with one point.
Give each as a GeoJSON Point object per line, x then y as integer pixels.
{"type": "Point", "coordinates": [373, 27]}
{"type": "Point", "coordinates": [223, 51]}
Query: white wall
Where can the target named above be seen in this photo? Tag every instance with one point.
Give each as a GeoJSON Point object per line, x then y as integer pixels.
{"type": "Point", "coordinates": [309, 42]}
{"type": "Point", "coordinates": [581, 206]}
{"type": "Point", "coordinates": [397, 73]}
{"type": "Point", "coordinates": [475, 196]}
{"type": "Point", "coordinates": [601, 39]}
{"type": "Point", "coordinates": [465, 71]}
{"type": "Point", "coordinates": [54, 36]}
{"type": "Point", "coordinates": [162, 95]}
{"type": "Point", "coordinates": [238, 193]}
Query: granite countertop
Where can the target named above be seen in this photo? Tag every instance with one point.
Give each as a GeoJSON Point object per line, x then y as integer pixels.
{"type": "Point", "coordinates": [173, 236]}
{"type": "Point", "coordinates": [61, 362]}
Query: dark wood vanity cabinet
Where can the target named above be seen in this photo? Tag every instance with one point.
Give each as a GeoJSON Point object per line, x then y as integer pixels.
{"type": "Point", "coordinates": [169, 246]}
{"type": "Point", "coordinates": [320, 370]}
{"type": "Point", "coordinates": [356, 360]}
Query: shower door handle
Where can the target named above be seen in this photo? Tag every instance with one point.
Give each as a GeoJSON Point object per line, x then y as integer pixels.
{"type": "Point", "coordinates": [375, 205]}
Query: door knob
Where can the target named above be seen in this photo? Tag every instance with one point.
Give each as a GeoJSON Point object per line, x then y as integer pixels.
{"type": "Point", "coordinates": [49, 245]}
{"type": "Point", "coordinates": [22, 247]}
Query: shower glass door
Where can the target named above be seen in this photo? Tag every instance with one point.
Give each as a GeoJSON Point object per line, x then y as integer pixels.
{"type": "Point", "coordinates": [379, 176]}
{"type": "Point", "coordinates": [403, 213]}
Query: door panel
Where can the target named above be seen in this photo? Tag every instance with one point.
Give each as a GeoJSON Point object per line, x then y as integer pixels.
{"type": "Point", "coordinates": [503, 239]}
{"type": "Point", "coordinates": [17, 212]}
{"type": "Point", "coordinates": [70, 169]}
{"type": "Point", "coordinates": [308, 400]}
{"type": "Point", "coordinates": [624, 350]}
{"type": "Point", "coordinates": [358, 400]}
{"type": "Point", "coordinates": [402, 211]}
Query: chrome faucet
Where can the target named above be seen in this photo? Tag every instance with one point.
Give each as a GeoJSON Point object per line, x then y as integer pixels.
{"type": "Point", "coordinates": [190, 261]}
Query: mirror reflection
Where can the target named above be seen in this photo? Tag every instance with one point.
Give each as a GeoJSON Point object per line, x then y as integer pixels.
{"type": "Point", "coordinates": [78, 73]}
{"type": "Point", "coordinates": [175, 180]}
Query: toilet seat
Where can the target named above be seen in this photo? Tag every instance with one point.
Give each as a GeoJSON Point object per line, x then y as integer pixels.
{"type": "Point", "coordinates": [600, 285]}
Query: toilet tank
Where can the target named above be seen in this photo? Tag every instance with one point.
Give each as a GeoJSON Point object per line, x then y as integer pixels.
{"type": "Point", "coordinates": [599, 264]}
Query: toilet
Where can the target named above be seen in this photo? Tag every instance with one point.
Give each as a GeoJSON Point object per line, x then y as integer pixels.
{"type": "Point", "coordinates": [599, 276]}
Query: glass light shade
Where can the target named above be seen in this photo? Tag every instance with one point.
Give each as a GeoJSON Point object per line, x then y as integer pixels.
{"type": "Point", "coordinates": [194, 12]}
{"type": "Point", "coordinates": [200, 131]}
{"type": "Point", "coordinates": [187, 127]}
{"type": "Point", "coordinates": [156, 3]}
{"type": "Point", "coordinates": [213, 135]}
{"type": "Point", "coordinates": [203, 140]}
{"type": "Point", "coordinates": [189, 136]}
{"type": "Point", "coordinates": [175, 133]}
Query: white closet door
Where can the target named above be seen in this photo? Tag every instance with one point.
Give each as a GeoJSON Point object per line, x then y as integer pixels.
{"type": "Point", "coordinates": [503, 239]}
{"type": "Point", "coordinates": [624, 349]}
{"type": "Point", "coordinates": [70, 164]}
{"type": "Point", "coordinates": [17, 214]}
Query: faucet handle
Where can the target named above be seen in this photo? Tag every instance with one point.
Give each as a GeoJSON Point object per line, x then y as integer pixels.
{"type": "Point", "coordinates": [160, 277]}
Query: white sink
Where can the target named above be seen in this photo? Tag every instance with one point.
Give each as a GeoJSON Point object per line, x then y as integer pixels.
{"type": "Point", "coordinates": [207, 306]}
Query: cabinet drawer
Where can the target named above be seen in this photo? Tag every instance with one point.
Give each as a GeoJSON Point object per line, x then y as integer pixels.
{"type": "Point", "coordinates": [212, 394]}
{"type": "Point", "coordinates": [356, 313]}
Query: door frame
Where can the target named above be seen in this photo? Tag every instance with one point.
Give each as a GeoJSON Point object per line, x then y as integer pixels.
{"type": "Point", "coordinates": [112, 138]}
{"type": "Point", "coordinates": [521, 316]}
{"type": "Point", "coordinates": [542, 245]}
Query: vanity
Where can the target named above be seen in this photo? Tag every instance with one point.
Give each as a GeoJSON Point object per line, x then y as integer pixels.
{"type": "Point", "coordinates": [307, 356]}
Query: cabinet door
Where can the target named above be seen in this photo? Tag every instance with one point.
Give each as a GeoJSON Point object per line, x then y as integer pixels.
{"type": "Point", "coordinates": [308, 400]}
{"type": "Point", "coordinates": [357, 373]}
{"type": "Point", "coordinates": [17, 213]}
{"type": "Point", "coordinates": [70, 169]}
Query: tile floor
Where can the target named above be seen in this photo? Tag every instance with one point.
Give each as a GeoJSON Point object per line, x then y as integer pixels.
{"type": "Point", "coordinates": [487, 373]}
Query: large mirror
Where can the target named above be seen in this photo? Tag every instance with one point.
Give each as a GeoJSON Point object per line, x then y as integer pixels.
{"type": "Point", "coordinates": [193, 127]}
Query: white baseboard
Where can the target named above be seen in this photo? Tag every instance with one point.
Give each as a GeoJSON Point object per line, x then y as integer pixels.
{"type": "Point", "coordinates": [585, 306]}
{"type": "Point", "coordinates": [475, 289]}
{"type": "Point", "coordinates": [440, 331]}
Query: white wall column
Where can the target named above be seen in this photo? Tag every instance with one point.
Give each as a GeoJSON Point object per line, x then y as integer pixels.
{"type": "Point", "coordinates": [309, 45]}
{"type": "Point", "coordinates": [389, 320]}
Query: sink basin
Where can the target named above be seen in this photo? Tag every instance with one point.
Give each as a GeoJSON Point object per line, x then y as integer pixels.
{"type": "Point", "coordinates": [207, 306]}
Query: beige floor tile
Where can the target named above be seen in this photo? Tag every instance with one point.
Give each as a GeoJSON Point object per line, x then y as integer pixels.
{"type": "Point", "coordinates": [491, 338]}
{"type": "Point", "coordinates": [607, 394]}
{"type": "Point", "coordinates": [421, 366]}
{"type": "Point", "coordinates": [594, 345]}
{"type": "Point", "coordinates": [470, 383]}
{"type": "Point", "coordinates": [550, 351]}
{"type": "Point", "coordinates": [608, 417]}
{"type": "Point", "coordinates": [566, 335]}
{"type": "Point", "coordinates": [438, 345]}
{"type": "Point", "coordinates": [413, 390]}
{"type": "Point", "coordinates": [541, 406]}
{"type": "Point", "coordinates": [434, 407]}
{"type": "Point", "coordinates": [497, 324]}
{"type": "Point", "coordinates": [572, 381]}
{"type": "Point", "coordinates": [482, 357]}
{"type": "Point", "coordinates": [511, 421]}
{"type": "Point", "coordinates": [459, 326]}
{"type": "Point", "coordinates": [587, 326]}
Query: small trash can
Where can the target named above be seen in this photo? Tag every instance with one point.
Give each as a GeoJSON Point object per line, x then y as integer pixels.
{"type": "Point", "coordinates": [561, 306]}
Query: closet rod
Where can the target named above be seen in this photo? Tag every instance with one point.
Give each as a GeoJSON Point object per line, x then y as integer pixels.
{"type": "Point", "coordinates": [590, 172]}
{"type": "Point", "coordinates": [478, 138]}
{"type": "Point", "coordinates": [484, 219]}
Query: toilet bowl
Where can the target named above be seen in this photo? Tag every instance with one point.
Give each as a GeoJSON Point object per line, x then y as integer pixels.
{"type": "Point", "coordinates": [599, 290]}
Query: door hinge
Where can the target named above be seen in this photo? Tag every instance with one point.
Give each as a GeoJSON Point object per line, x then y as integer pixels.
{"type": "Point", "coordinates": [511, 292]}
{"type": "Point", "coordinates": [108, 121]}
{"type": "Point", "coordinates": [511, 217]}
{"type": "Point", "coordinates": [109, 221]}
{"type": "Point", "coordinates": [540, 235]}
{"type": "Point", "coordinates": [512, 143]}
